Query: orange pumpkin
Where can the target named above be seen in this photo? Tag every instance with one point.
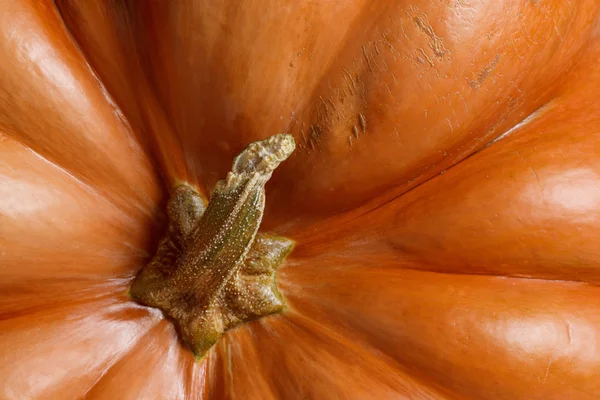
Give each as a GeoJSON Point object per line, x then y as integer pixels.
{"type": "Point", "coordinates": [443, 197]}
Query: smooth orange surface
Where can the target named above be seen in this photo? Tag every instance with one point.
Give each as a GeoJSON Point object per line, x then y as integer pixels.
{"type": "Point", "coordinates": [444, 196]}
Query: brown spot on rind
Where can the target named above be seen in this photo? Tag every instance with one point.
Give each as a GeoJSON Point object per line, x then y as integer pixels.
{"type": "Point", "coordinates": [485, 72]}
{"type": "Point", "coordinates": [315, 132]}
{"type": "Point", "coordinates": [435, 42]}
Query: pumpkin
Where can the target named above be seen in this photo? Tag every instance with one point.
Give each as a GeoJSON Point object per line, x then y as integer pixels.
{"type": "Point", "coordinates": [443, 199]}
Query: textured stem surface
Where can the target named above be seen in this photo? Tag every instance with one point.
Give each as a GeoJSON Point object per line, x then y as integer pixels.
{"type": "Point", "coordinates": [212, 270]}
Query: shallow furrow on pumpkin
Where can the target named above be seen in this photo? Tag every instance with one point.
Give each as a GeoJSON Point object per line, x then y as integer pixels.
{"type": "Point", "coordinates": [291, 357]}
{"type": "Point", "coordinates": [53, 227]}
{"type": "Point", "coordinates": [197, 378]}
{"type": "Point", "coordinates": [107, 34]}
{"type": "Point", "coordinates": [52, 102]}
{"type": "Point", "coordinates": [479, 337]}
{"type": "Point", "coordinates": [57, 353]}
{"type": "Point", "coordinates": [154, 368]}
{"type": "Point", "coordinates": [34, 296]}
{"type": "Point", "coordinates": [234, 369]}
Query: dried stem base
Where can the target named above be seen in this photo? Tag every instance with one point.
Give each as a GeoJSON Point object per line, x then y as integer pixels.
{"type": "Point", "coordinates": [212, 270]}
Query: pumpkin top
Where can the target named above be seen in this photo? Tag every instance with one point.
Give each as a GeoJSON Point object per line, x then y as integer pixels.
{"type": "Point", "coordinates": [443, 195]}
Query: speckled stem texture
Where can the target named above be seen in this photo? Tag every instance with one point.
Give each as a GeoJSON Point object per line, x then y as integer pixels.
{"type": "Point", "coordinates": [212, 270]}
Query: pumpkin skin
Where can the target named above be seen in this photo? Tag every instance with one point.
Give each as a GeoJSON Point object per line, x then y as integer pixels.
{"type": "Point", "coordinates": [444, 196]}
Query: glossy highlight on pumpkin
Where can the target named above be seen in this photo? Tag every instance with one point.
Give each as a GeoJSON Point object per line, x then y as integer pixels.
{"type": "Point", "coordinates": [443, 196]}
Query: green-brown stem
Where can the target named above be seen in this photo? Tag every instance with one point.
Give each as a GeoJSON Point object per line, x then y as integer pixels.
{"type": "Point", "coordinates": [212, 270]}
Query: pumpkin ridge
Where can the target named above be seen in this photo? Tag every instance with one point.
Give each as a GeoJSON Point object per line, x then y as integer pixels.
{"type": "Point", "coordinates": [80, 181]}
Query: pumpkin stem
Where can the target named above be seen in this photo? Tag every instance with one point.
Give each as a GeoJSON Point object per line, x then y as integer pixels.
{"type": "Point", "coordinates": [212, 270]}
